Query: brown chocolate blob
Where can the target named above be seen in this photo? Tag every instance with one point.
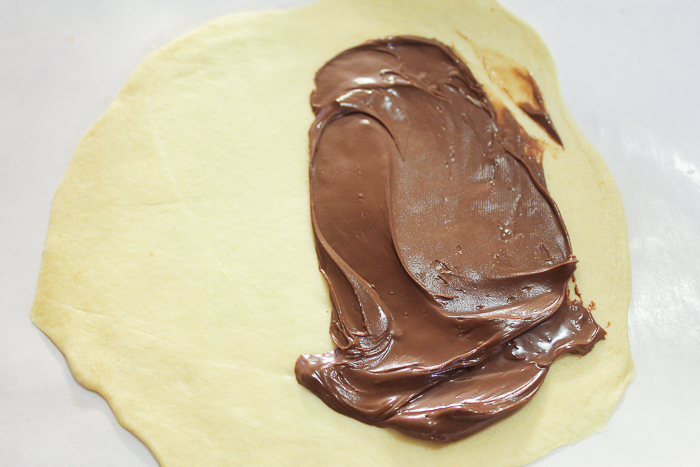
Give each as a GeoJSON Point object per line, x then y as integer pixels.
{"type": "Point", "coordinates": [536, 110]}
{"type": "Point", "coordinates": [447, 260]}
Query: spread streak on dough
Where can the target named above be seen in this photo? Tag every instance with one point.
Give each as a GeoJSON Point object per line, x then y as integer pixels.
{"type": "Point", "coordinates": [447, 260]}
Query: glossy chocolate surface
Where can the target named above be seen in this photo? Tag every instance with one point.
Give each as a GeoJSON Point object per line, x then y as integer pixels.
{"type": "Point", "coordinates": [448, 262]}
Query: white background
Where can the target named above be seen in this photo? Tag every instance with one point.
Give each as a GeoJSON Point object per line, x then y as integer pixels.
{"type": "Point", "coordinates": [630, 74]}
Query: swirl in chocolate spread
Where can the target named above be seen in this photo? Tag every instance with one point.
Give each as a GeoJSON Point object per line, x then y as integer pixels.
{"type": "Point", "coordinates": [447, 260]}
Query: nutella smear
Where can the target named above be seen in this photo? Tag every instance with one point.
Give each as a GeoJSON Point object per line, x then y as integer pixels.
{"type": "Point", "coordinates": [448, 262]}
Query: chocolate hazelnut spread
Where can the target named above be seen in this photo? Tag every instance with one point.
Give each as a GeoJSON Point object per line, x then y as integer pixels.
{"type": "Point", "coordinates": [447, 260]}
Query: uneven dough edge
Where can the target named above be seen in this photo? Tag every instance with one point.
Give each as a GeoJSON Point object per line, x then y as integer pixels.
{"type": "Point", "coordinates": [95, 327]}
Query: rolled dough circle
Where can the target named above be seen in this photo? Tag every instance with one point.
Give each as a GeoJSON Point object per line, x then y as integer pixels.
{"type": "Point", "coordinates": [179, 275]}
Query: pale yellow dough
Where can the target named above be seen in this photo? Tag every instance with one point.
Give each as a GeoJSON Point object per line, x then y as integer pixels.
{"type": "Point", "coordinates": [180, 278]}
